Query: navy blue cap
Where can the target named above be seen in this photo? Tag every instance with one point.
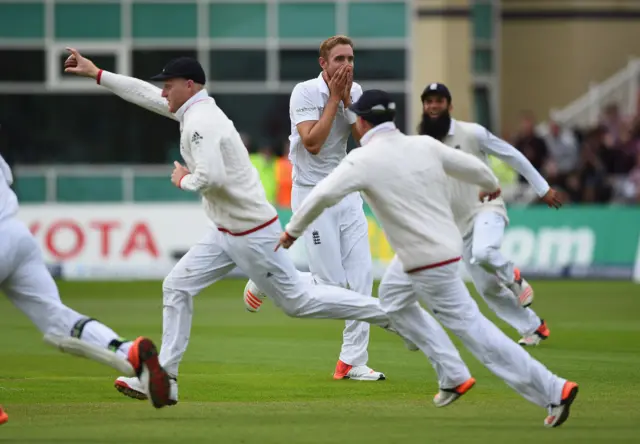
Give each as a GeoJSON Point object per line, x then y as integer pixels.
{"type": "Point", "coordinates": [375, 106]}
{"type": "Point", "coordinates": [436, 89]}
{"type": "Point", "coordinates": [184, 68]}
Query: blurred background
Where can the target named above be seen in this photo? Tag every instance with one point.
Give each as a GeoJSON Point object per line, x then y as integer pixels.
{"type": "Point", "coordinates": [557, 79]}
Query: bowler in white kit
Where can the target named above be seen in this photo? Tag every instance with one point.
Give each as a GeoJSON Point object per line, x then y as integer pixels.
{"type": "Point", "coordinates": [482, 226]}
{"type": "Point", "coordinates": [405, 181]}
{"type": "Point", "coordinates": [26, 281]}
{"type": "Point", "coordinates": [246, 225]}
{"type": "Point", "coordinates": [337, 243]}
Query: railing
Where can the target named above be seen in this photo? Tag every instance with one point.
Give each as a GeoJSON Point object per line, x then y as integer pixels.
{"type": "Point", "coordinates": [91, 184]}
{"type": "Point", "coordinates": [621, 89]}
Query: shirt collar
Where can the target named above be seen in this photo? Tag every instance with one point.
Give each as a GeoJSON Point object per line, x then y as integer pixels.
{"type": "Point", "coordinates": [198, 97]}
{"type": "Point", "coordinates": [451, 127]}
{"type": "Point", "coordinates": [386, 127]}
{"type": "Point", "coordinates": [322, 85]}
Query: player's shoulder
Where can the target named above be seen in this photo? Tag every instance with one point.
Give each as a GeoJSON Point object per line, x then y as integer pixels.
{"type": "Point", "coordinates": [308, 86]}
{"type": "Point", "coordinates": [359, 155]}
{"type": "Point", "coordinates": [421, 139]}
{"type": "Point", "coordinates": [473, 128]}
{"type": "Point", "coordinates": [355, 86]}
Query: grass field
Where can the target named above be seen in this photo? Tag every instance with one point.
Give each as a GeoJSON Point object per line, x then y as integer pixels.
{"type": "Point", "coordinates": [265, 378]}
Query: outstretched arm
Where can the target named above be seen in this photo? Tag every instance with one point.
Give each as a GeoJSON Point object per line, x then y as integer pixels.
{"type": "Point", "coordinates": [347, 178]}
{"type": "Point", "coordinates": [491, 144]}
{"type": "Point", "coordinates": [466, 167]}
{"type": "Point", "coordinates": [132, 90]}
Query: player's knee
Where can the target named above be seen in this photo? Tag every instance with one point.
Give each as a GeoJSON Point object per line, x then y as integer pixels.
{"type": "Point", "coordinates": [172, 293]}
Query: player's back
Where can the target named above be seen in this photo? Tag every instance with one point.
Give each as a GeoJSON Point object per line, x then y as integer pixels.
{"type": "Point", "coordinates": [307, 103]}
{"type": "Point", "coordinates": [8, 199]}
{"type": "Point", "coordinates": [408, 193]}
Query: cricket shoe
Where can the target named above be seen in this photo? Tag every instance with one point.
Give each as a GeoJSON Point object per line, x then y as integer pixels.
{"type": "Point", "coordinates": [521, 289]}
{"type": "Point", "coordinates": [558, 414]}
{"type": "Point", "coordinates": [358, 373]}
{"type": "Point", "coordinates": [133, 388]}
{"type": "Point", "coordinates": [539, 335]}
{"type": "Point", "coordinates": [253, 297]}
{"type": "Point", "coordinates": [143, 356]}
{"type": "Point", "coordinates": [446, 396]}
{"type": "Point", "coordinates": [3, 416]}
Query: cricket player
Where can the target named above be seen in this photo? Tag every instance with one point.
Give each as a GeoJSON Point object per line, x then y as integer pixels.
{"type": "Point", "coordinates": [405, 181]}
{"type": "Point", "coordinates": [246, 224]}
{"type": "Point", "coordinates": [26, 281]}
{"type": "Point", "coordinates": [337, 243]}
{"type": "Point", "coordinates": [482, 225]}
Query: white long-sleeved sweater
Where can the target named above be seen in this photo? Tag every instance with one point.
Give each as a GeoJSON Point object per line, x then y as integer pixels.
{"type": "Point", "coordinates": [220, 168]}
{"type": "Point", "coordinates": [404, 179]}
{"type": "Point", "coordinates": [8, 199]}
{"type": "Point", "coordinates": [478, 141]}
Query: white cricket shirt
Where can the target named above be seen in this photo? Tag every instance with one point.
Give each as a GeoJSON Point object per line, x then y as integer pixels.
{"type": "Point", "coordinates": [476, 140]}
{"type": "Point", "coordinates": [221, 171]}
{"type": "Point", "coordinates": [307, 103]}
{"type": "Point", "coordinates": [404, 179]}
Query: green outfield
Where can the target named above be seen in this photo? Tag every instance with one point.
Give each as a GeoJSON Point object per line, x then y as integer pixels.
{"type": "Point", "coordinates": [264, 378]}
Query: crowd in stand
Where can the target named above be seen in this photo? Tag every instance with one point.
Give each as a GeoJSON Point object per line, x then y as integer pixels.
{"type": "Point", "coordinates": [598, 165]}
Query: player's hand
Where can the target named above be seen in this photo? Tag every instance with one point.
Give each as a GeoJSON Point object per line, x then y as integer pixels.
{"type": "Point", "coordinates": [286, 240]}
{"type": "Point", "coordinates": [338, 83]}
{"type": "Point", "coordinates": [346, 98]}
{"type": "Point", "coordinates": [552, 199]}
{"type": "Point", "coordinates": [79, 65]}
{"type": "Point", "coordinates": [178, 173]}
{"type": "Point", "coordinates": [489, 196]}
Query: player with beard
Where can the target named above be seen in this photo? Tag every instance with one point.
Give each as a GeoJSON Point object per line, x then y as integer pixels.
{"type": "Point", "coordinates": [482, 225]}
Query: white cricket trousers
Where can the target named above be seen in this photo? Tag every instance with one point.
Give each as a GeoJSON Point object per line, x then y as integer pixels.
{"type": "Point", "coordinates": [26, 281]}
{"type": "Point", "coordinates": [442, 290]}
{"type": "Point", "coordinates": [272, 271]}
{"type": "Point", "coordinates": [339, 254]}
{"type": "Point", "coordinates": [490, 270]}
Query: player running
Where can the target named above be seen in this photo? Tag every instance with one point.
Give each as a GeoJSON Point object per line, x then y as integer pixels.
{"type": "Point", "coordinates": [26, 281]}
{"type": "Point", "coordinates": [482, 225]}
{"type": "Point", "coordinates": [246, 224]}
{"type": "Point", "coordinates": [405, 179]}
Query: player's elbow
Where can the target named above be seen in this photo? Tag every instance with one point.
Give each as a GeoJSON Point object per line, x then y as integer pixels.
{"type": "Point", "coordinates": [312, 146]}
{"type": "Point", "coordinates": [313, 149]}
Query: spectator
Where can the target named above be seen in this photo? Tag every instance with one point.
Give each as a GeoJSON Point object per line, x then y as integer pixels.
{"type": "Point", "coordinates": [528, 143]}
{"type": "Point", "coordinates": [562, 147]}
{"type": "Point", "coordinates": [631, 186]}
{"type": "Point", "coordinates": [612, 122]}
{"type": "Point", "coordinates": [592, 172]}
{"type": "Point", "coordinates": [264, 162]}
{"type": "Point", "coordinates": [283, 170]}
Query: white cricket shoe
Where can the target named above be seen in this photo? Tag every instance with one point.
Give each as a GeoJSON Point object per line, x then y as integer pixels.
{"type": "Point", "coordinates": [358, 373]}
{"type": "Point", "coordinates": [558, 414]}
{"type": "Point", "coordinates": [253, 297]}
{"type": "Point", "coordinates": [521, 289]}
{"type": "Point", "coordinates": [446, 396]}
{"type": "Point", "coordinates": [538, 336]}
{"type": "Point", "coordinates": [133, 388]}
